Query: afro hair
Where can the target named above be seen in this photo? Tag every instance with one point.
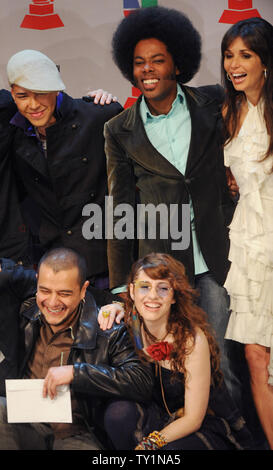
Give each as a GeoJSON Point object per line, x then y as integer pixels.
{"type": "Point", "coordinates": [169, 26]}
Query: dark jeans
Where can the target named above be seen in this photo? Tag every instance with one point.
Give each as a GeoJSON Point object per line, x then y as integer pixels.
{"type": "Point", "coordinates": [215, 302]}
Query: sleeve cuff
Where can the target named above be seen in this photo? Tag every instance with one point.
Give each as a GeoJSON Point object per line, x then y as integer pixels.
{"type": "Point", "coordinates": [119, 289]}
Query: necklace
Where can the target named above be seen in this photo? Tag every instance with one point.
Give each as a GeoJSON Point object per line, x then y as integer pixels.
{"type": "Point", "coordinates": [158, 369]}
{"type": "Point", "coordinates": [159, 350]}
{"type": "Point", "coordinates": [150, 338]}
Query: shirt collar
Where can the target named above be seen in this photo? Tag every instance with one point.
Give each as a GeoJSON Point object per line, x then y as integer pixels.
{"type": "Point", "coordinates": [19, 120]}
{"type": "Point", "coordinates": [145, 112]}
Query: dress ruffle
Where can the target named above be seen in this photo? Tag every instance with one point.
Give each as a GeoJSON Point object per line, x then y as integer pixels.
{"type": "Point", "coordinates": [250, 278]}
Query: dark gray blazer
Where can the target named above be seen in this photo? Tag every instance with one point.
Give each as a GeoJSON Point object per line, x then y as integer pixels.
{"type": "Point", "coordinates": [138, 173]}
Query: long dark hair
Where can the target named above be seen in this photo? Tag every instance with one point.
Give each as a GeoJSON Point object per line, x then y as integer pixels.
{"type": "Point", "coordinates": [257, 34]}
{"type": "Point", "coordinates": [185, 316]}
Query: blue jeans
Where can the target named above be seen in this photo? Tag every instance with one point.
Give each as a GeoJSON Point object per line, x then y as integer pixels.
{"type": "Point", "coordinates": [214, 301]}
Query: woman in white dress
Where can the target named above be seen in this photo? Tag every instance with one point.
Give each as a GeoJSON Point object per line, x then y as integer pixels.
{"type": "Point", "coordinates": [247, 66]}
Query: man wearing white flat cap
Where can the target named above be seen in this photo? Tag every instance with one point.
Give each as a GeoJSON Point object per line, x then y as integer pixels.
{"type": "Point", "coordinates": [35, 83]}
{"type": "Point", "coordinates": [58, 154]}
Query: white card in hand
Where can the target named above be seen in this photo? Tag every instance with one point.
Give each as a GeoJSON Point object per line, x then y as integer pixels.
{"type": "Point", "coordinates": [25, 403]}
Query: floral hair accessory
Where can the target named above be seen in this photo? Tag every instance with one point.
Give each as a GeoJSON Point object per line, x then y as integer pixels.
{"type": "Point", "coordinates": [160, 351]}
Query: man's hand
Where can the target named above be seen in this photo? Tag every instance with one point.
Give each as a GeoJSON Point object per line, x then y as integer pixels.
{"type": "Point", "coordinates": [232, 185]}
{"type": "Point", "coordinates": [62, 375]}
{"type": "Point", "coordinates": [102, 97]}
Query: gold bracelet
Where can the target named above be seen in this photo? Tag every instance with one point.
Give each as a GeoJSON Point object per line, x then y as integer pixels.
{"type": "Point", "coordinates": [157, 438]}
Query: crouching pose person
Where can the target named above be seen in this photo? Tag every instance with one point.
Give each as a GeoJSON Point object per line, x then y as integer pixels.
{"type": "Point", "coordinates": [191, 407]}
{"type": "Point", "coordinates": [60, 342]}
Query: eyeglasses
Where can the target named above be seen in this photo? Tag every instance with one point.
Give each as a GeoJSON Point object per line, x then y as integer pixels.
{"type": "Point", "coordinates": [144, 287]}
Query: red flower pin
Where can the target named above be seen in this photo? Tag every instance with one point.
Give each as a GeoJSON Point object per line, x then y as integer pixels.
{"type": "Point", "coordinates": [160, 351]}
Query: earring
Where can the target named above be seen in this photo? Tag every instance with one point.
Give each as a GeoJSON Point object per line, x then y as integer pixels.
{"type": "Point", "coordinates": [265, 74]}
{"type": "Point", "coordinates": [136, 328]}
{"type": "Point", "coordinates": [228, 77]}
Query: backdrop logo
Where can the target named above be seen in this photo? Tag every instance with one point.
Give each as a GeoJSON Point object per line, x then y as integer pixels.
{"type": "Point", "coordinates": [41, 16]}
{"type": "Point", "coordinates": [128, 7]}
{"type": "Point", "coordinates": [238, 10]}
{"type": "Point", "coordinates": [131, 5]}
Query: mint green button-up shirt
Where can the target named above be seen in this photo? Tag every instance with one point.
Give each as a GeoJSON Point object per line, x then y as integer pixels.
{"type": "Point", "coordinates": [170, 134]}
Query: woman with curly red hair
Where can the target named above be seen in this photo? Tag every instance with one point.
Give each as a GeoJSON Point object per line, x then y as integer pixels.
{"type": "Point", "coordinates": [191, 408]}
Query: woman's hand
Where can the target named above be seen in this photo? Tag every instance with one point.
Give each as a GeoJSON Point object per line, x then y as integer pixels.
{"type": "Point", "coordinates": [109, 314]}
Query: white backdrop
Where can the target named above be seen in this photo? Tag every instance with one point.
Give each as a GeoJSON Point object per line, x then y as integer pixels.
{"type": "Point", "coordinates": [82, 46]}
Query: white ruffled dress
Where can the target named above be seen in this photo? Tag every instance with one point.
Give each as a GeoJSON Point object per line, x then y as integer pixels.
{"type": "Point", "coordinates": [250, 279]}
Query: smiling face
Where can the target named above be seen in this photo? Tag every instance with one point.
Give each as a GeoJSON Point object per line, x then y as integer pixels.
{"type": "Point", "coordinates": [38, 108]}
{"type": "Point", "coordinates": [245, 69]}
{"type": "Point", "coordinates": [153, 298]}
{"type": "Point", "coordinates": [58, 294]}
{"type": "Point", "coordinates": [155, 72]}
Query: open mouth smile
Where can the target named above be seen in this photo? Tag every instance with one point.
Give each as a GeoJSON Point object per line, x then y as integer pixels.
{"type": "Point", "coordinates": [54, 311]}
{"type": "Point", "coordinates": [152, 305]}
{"type": "Point", "coordinates": [150, 83]}
{"type": "Point", "coordinates": [238, 77]}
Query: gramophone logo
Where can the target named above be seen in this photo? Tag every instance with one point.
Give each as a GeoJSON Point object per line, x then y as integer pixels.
{"type": "Point", "coordinates": [238, 10]}
{"type": "Point", "coordinates": [41, 16]}
{"type": "Point", "coordinates": [128, 7]}
{"type": "Point", "coordinates": [131, 5]}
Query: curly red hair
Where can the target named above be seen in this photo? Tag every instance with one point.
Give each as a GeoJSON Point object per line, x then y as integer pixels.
{"type": "Point", "coordinates": [185, 316]}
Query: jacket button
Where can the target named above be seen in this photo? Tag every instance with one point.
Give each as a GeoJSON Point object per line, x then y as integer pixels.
{"type": "Point", "coordinates": [74, 126]}
{"type": "Point", "coordinates": [69, 232]}
{"type": "Point", "coordinates": [84, 159]}
{"type": "Point", "coordinates": [36, 179]}
{"type": "Point", "coordinates": [187, 180]}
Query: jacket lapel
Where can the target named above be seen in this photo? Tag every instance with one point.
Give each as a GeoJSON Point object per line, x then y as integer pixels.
{"type": "Point", "coordinates": [86, 337]}
{"type": "Point", "coordinates": [135, 139]}
{"type": "Point", "coordinates": [204, 114]}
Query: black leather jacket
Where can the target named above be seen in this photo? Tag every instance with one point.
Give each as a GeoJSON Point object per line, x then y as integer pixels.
{"type": "Point", "coordinates": [105, 363]}
{"type": "Point", "coordinates": [16, 285]}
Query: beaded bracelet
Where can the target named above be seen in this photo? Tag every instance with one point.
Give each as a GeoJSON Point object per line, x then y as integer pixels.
{"type": "Point", "coordinates": [146, 444]}
{"type": "Point", "coordinates": [157, 438]}
{"type": "Point", "coordinates": [153, 441]}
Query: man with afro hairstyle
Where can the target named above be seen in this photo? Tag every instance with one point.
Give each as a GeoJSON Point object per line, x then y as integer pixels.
{"type": "Point", "coordinates": [167, 149]}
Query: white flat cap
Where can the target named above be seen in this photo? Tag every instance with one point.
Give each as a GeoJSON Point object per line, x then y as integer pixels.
{"type": "Point", "coordinates": [34, 71]}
